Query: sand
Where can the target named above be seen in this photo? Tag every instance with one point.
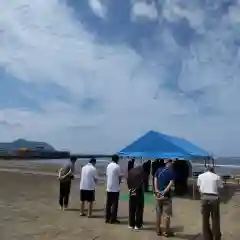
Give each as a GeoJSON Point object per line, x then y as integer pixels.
{"type": "Point", "coordinates": [29, 210]}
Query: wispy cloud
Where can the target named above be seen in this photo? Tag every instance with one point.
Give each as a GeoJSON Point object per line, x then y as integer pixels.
{"type": "Point", "coordinates": [176, 73]}
{"type": "Point", "coordinates": [98, 8]}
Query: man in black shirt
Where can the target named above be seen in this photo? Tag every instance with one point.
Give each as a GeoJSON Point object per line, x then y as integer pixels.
{"type": "Point", "coordinates": [135, 182]}
{"type": "Point", "coordinates": [131, 164]}
{"type": "Point", "coordinates": [147, 169]}
{"type": "Point", "coordinates": [66, 175]}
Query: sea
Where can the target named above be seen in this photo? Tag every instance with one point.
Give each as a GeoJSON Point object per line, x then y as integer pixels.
{"type": "Point", "coordinates": [223, 166]}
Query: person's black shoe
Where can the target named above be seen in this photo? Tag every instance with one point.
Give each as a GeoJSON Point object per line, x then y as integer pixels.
{"type": "Point", "coordinates": [168, 234]}
{"type": "Point", "coordinates": [115, 222]}
{"type": "Point", "coordinates": [107, 221]}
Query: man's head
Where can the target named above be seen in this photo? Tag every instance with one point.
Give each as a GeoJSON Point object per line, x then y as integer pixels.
{"type": "Point", "coordinates": [93, 161]}
{"type": "Point", "coordinates": [145, 167]}
{"type": "Point", "coordinates": [168, 163]}
{"type": "Point", "coordinates": [73, 159]}
{"type": "Point", "coordinates": [210, 169]}
{"type": "Point", "coordinates": [161, 163]}
{"type": "Point", "coordinates": [115, 158]}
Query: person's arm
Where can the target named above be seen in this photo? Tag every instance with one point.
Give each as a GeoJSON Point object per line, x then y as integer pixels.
{"type": "Point", "coordinates": [220, 182]}
{"type": "Point", "coordinates": [128, 182]}
{"type": "Point", "coordinates": [198, 183]}
{"type": "Point", "coordinates": [156, 190]}
{"type": "Point", "coordinates": [119, 174]}
{"type": "Point", "coordinates": [95, 177]}
{"type": "Point", "coordinates": [106, 174]}
{"type": "Point", "coordinates": [67, 174]}
{"type": "Point", "coordinates": [167, 189]}
{"type": "Point", "coordinates": [170, 184]}
{"type": "Point", "coordinates": [59, 173]}
{"type": "Point", "coordinates": [72, 172]}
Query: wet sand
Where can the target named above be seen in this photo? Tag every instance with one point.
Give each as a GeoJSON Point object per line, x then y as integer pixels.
{"type": "Point", "coordinates": [29, 210]}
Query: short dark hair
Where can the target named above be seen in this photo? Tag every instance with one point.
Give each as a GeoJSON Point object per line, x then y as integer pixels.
{"type": "Point", "coordinates": [210, 169]}
{"type": "Point", "coordinates": [161, 163]}
{"type": "Point", "coordinates": [93, 160]}
{"type": "Point", "coordinates": [145, 168]}
{"type": "Point", "coordinates": [115, 158]}
{"type": "Point", "coordinates": [73, 159]}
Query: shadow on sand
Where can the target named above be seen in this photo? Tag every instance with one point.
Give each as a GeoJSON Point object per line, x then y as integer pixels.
{"type": "Point", "coordinates": [177, 229]}
{"type": "Point", "coordinates": [78, 210]}
{"type": "Point", "coordinates": [148, 225]}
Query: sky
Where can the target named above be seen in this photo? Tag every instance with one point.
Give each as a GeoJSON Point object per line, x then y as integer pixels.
{"type": "Point", "coordinates": [94, 75]}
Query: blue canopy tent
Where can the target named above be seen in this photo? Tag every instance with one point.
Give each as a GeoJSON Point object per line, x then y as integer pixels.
{"type": "Point", "coordinates": [158, 145]}
{"type": "Point", "coordinates": [193, 150]}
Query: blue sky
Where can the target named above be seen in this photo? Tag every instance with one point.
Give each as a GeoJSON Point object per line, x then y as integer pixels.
{"type": "Point", "coordinates": [91, 76]}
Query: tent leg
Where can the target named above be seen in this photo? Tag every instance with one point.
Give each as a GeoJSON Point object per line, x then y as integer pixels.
{"type": "Point", "coordinates": [194, 190]}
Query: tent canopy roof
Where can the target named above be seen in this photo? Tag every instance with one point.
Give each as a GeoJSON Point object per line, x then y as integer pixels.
{"type": "Point", "coordinates": [157, 145]}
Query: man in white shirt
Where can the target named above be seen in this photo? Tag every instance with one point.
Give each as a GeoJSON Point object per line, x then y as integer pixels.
{"type": "Point", "coordinates": [113, 175]}
{"type": "Point", "coordinates": [209, 184]}
{"type": "Point", "coordinates": [87, 186]}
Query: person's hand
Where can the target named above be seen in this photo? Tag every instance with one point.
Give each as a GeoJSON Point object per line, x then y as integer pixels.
{"type": "Point", "coordinates": [132, 192]}
{"type": "Point", "coordinates": [157, 194]}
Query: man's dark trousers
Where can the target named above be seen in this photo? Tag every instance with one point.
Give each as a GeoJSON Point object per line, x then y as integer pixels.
{"type": "Point", "coordinates": [136, 206]}
{"type": "Point", "coordinates": [210, 207]}
{"type": "Point", "coordinates": [112, 206]}
{"type": "Point", "coordinates": [146, 183]}
{"type": "Point", "coordinates": [65, 187]}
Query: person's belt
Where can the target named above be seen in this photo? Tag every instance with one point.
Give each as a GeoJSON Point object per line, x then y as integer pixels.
{"type": "Point", "coordinates": [209, 196]}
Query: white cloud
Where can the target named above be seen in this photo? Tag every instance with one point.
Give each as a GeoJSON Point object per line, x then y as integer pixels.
{"type": "Point", "coordinates": [174, 10]}
{"type": "Point", "coordinates": [234, 14]}
{"type": "Point", "coordinates": [40, 41]}
{"type": "Point", "coordinates": [144, 10]}
{"type": "Point", "coordinates": [98, 8]}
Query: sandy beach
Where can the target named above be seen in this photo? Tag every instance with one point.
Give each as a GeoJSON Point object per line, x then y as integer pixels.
{"type": "Point", "coordinates": [29, 210]}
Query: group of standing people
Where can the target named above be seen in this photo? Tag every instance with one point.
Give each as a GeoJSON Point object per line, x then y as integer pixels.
{"type": "Point", "coordinates": [88, 181]}
{"type": "Point", "coordinates": [163, 177]}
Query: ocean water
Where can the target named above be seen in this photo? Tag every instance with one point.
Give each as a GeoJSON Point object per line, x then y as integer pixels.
{"type": "Point", "coordinates": [228, 166]}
